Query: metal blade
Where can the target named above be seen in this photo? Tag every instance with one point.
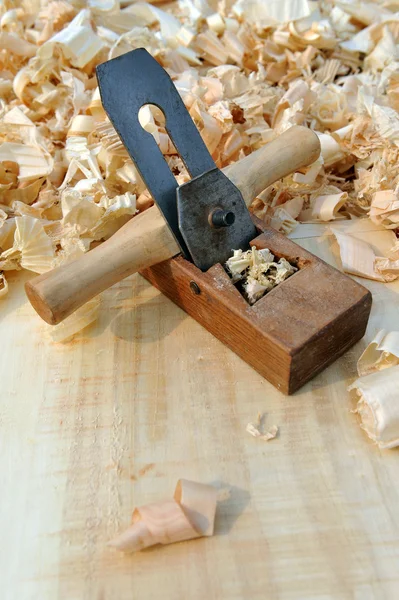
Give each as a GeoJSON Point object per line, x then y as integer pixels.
{"type": "Point", "coordinates": [213, 218]}
{"type": "Point", "coordinates": [208, 217]}
{"type": "Point", "coordinates": [126, 84]}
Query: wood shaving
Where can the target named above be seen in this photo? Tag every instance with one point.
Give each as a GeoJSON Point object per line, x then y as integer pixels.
{"type": "Point", "coordinates": [3, 285]}
{"type": "Point", "coordinates": [358, 258]}
{"type": "Point", "coordinates": [381, 353]}
{"type": "Point", "coordinates": [378, 406]}
{"type": "Point", "coordinates": [384, 209]}
{"type": "Point", "coordinates": [247, 70]}
{"type": "Point", "coordinates": [256, 430]}
{"type": "Point", "coordinates": [190, 515]}
{"type": "Point", "coordinates": [32, 248]}
{"type": "Point", "coordinates": [258, 272]}
{"type": "Point", "coordinates": [326, 208]}
{"type": "Point", "coordinates": [377, 389]}
{"type": "Point", "coordinates": [388, 269]}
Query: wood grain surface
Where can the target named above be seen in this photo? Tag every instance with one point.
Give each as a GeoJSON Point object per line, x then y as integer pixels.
{"type": "Point", "coordinates": [91, 428]}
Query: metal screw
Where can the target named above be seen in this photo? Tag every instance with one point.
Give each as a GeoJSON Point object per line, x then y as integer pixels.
{"type": "Point", "coordinates": [222, 218]}
{"type": "Point", "coordinates": [195, 288]}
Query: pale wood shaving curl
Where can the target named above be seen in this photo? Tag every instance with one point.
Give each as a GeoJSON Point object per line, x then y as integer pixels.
{"type": "Point", "coordinates": [190, 515]}
{"type": "Point", "coordinates": [378, 406]}
{"type": "Point", "coordinates": [256, 429]}
{"type": "Point", "coordinates": [381, 353]}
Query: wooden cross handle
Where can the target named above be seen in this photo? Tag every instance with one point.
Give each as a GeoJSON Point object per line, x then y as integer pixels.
{"type": "Point", "coordinates": [146, 239]}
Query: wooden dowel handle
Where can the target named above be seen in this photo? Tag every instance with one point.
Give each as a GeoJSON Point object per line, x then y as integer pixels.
{"type": "Point", "coordinates": [295, 148]}
{"type": "Point", "coordinates": [146, 240]}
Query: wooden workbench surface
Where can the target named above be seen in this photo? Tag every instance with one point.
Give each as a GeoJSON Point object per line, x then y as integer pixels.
{"type": "Point", "coordinates": [90, 428]}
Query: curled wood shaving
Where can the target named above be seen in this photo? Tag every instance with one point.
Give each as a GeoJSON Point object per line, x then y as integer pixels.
{"type": "Point", "coordinates": [190, 515]}
{"type": "Point", "coordinates": [358, 258]}
{"type": "Point", "coordinates": [387, 268]}
{"type": "Point", "coordinates": [384, 209]}
{"type": "Point", "coordinates": [326, 208]}
{"type": "Point", "coordinates": [256, 430]}
{"type": "Point", "coordinates": [381, 353]}
{"type": "Point", "coordinates": [3, 285]}
{"type": "Point", "coordinates": [32, 248]}
{"type": "Point", "coordinates": [262, 14]}
{"type": "Point", "coordinates": [377, 389]}
{"type": "Point", "coordinates": [77, 41]}
{"type": "Point", "coordinates": [378, 406]}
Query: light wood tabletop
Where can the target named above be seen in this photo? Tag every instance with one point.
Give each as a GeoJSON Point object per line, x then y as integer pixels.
{"type": "Point", "coordinates": [91, 428]}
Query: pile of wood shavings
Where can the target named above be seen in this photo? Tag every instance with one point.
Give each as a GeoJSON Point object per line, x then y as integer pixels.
{"type": "Point", "coordinates": [246, 70]}
{"type": "Point", "coordinates": [258, 272]}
